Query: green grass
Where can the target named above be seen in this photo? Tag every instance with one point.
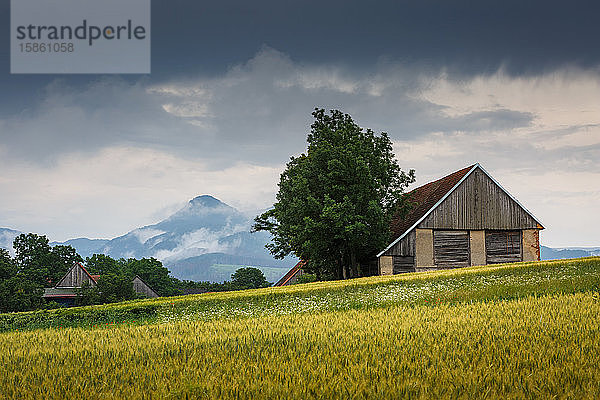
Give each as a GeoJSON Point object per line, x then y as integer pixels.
{"type": "Point", "coordinates": [519, 331]}
{"type": "Point", "coordinates": [474, 284]}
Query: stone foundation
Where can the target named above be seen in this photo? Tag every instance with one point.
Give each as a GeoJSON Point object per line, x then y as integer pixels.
{"type": "Point", "coordinates": [531, 245]}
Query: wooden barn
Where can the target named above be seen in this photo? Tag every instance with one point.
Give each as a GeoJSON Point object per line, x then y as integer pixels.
{"type": "Point", "coordinates": [65, 291]}
{"type": "Point", "coordinates": [465, 218]}
{"type": "Point", "coordinates": [140, 287]}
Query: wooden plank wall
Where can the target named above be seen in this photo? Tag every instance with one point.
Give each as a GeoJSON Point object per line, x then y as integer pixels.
{"type": "Point", "coordinates": [140, 287]}
{"type": "Point", "coordinates": [451, 249]}
{"type": "Point", "coordinates": [76, 277]}
{"type": "Point", "coordinates": [405, 247]}
{"type": "Point", "coordinates": [478, 203]}
{"type": "Point", "coordinates": [503, 246]}
{"type": "Point", "coordinates": [403, 264]}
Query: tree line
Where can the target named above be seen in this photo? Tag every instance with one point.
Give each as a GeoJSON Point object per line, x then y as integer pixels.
{"type": "Point", "coordinates": [38, 265]}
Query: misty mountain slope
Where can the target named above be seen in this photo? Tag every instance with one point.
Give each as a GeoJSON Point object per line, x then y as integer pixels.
{"type": "Point", "coordinates": [205, 240]}
{"type": "Point", "coordinates": [85, 247]}
{"type": "Point", "coordinates": [7, 237]}
{"type": "Point", "coordinates": [203, 234]}
{"type": "Point", "coordinates": [191, 231]}
{"type": "Point", "coordinates": [548, 253]}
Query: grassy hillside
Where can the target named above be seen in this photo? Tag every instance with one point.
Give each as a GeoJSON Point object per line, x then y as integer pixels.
{"type": "Point", "coordinates": [512, 331]}
{"type": "Point", "coordinates": [510, 281]}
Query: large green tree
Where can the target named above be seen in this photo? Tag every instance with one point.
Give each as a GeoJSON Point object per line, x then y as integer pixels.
{"type": "Point", "coordinates": [102, 264]}
{"type": "Point", "coordinates": [248, 278]}
{"type": "Point", "coordinates": [336, 201]}
{"type": "Point", "coordinates": [17, 292]}
{"type": "Point", "coordinates": [154, 274]}
{"type": "Point", "coordinates": [40, 263]}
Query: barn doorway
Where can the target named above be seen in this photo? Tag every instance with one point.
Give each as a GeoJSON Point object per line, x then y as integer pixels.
{"type": "Point", "coordinates": [451, 249]}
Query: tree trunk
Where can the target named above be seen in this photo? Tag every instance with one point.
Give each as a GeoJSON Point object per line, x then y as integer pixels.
{"type": "Point", "coordinates": [340, 269]}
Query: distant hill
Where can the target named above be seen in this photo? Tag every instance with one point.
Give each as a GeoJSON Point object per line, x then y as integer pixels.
{"type": "Point", "coordinates": [549, 253]}
{"type": "Point", "coordinates": [205, 240]}
{"type": "Point", "coordinates": [204, 233]}
{"type": "Point", "coordinates": [85, 247]}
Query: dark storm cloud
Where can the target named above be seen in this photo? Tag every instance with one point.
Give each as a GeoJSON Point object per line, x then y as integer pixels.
{"type": "Point", "coordinates": [366, 59]}
{"type": "Point", "coordinates": [256, 112]}
{"type": "Point", "coordinates": [469, 36]}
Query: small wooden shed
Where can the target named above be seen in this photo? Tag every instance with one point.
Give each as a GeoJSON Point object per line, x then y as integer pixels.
{"type": "Point", "coordinates": [465, 218]}
{"type": "Point", "coordinates": [140, 287]}
{"type": "Point", "coordinates": [65, 292]}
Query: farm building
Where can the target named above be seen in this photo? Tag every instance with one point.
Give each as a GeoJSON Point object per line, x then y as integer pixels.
{"type": "Point", "coordinates": [292, 275]}
{"type": "Point", "coordinates": [466, 218]}
{"type": "Point", "coordinates": [65, 291]}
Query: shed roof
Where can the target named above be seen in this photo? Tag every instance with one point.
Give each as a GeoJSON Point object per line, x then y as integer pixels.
{"type": "Point", "coordinates": [290, 274]}
{"type": "Point", "coordinates": [427, 197]}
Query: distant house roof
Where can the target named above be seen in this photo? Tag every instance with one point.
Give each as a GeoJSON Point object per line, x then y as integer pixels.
{"type": "Point", "coordinates": [290, 274]}
{"type": "Point", "coordinates": [74, 279]}
{"type": "Point", "coordinates": [142, 287]}
{"type": "Point", "coordinates": [427, 197]}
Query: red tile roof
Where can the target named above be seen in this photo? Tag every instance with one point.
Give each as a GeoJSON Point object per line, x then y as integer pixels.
{"type": "Point", "coordinates": [424, 198]}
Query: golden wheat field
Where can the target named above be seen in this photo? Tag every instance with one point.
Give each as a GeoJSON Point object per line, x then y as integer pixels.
{"type": "Point", "coordinates": [537, 347]}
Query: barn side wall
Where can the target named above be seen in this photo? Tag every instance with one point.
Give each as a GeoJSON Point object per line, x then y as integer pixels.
{"type": "Point", "coordinates": [479, 203]}
{"type": "Point", "coordinates": [531, 245]}
{"type": "Point", "coordinates": [141, 288]}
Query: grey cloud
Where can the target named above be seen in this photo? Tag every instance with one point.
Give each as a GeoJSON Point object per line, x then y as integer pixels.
{"type": "Point", "coordinates": [258, 112]}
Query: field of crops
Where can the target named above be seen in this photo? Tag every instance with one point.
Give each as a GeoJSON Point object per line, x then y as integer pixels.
{"type": "Point", "coordinates": [523, 331]}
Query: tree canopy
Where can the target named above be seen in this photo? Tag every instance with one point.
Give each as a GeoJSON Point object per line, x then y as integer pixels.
{"type": "Point", "coordinates": [248, 278]}
{"type": "Point", "coordinates": [336, 201]}
{"type": "Point", "coordinates": [40, 263]}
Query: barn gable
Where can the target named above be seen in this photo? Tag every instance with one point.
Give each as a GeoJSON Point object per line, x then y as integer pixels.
{"type": "Point", "coordinates": [76, 277]}
{"type": "Point", "coordinates": [479, 202]}
{"type": "Point", "coordinates": [292, 275]}
{"type": "Point", "coordinates": [67, 289]}
{"type": "Point", "coordinates": [140, 287]}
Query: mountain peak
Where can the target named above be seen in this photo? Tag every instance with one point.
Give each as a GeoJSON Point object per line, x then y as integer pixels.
{"type": "Point", "coordinates": [205, 201]}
